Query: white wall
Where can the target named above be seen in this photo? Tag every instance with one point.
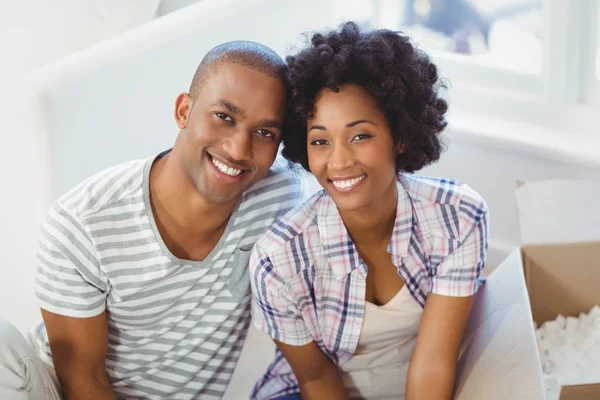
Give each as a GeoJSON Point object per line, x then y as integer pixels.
{"type": "Point", "coordinates": [34, 33]}
{"type": "Point", "coordinates": [114, 102]}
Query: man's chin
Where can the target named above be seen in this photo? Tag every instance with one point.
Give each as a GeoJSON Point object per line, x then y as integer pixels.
{"type": "Point", "coordinates": [220, 198]}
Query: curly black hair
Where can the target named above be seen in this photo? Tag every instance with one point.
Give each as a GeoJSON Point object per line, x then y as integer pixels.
{"type": "Point", "coordinates": [401, 78]}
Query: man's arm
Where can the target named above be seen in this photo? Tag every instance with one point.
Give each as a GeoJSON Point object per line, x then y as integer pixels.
{"type": "Point", "coordinates": [317, 375]}
{"type": "Point", "coordinates": [78, 348]}
{"type": "Point", "coordinates": [432, 368]}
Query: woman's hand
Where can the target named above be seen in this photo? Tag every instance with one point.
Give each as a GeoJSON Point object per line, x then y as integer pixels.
{"type": "Point", "coordinates": [317, 375]}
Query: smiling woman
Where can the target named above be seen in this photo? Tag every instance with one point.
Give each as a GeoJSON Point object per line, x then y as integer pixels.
{"type": "Point", "coordinates": [354, 159]}
{"type": "Point", "coordinates": [400, 80]}
{"type": "Point", "coordinates": [355, 285]}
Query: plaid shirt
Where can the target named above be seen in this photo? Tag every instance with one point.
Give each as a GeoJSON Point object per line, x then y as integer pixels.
{"type": "Point", "coordinates": [308, 280]}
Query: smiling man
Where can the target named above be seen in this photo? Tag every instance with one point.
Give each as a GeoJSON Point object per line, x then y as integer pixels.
{"type": "Point", "coordinates": [142, 269]}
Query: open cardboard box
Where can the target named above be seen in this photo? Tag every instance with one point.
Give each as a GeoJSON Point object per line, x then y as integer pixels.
{"type": "Point", "coordinates": [555, 271]}
{"type": "Point", "coordinates": [560, 231]}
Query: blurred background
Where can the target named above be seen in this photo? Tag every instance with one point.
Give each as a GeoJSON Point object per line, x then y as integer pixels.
{"type": "Point", "coordinates": [86, 85]}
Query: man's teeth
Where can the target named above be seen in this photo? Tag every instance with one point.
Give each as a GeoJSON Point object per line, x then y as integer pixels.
{"type": "Point", "coordinates": [225, 169]}
{"type": "Point", "coordinates": [348, 183]}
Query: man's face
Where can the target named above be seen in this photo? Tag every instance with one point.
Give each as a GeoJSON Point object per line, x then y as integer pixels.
{"type": "Point", "coordinates": [231, 132]}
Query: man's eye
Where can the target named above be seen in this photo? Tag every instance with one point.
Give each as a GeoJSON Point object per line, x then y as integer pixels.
{"type": "Point", "coordinates": [319, 142]}
{"type": "Point", "coordinates": [266, 133]}
{"type": "Point", "coordinates": [224, 117]}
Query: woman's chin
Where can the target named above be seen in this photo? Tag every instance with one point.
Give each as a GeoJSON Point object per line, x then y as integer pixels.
{"type": "Point", "coordinates": [348, 203]}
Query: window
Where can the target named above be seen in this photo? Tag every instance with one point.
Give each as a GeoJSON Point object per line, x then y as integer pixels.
{"type": "Point", "coordinates": [592, 94]}
{"type": "Point", "coordinates": [597, 42]}
{"type": "Point", "coordinates": [506, 33]}
{"type": "Point", "coordinates": [531, 60]}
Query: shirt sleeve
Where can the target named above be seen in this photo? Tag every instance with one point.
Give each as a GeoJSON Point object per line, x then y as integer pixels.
{"type": "Point", "coordinates": [68, 279]}
{"type": "Point", "coordinates": [274, 311]}
{"type": "Point", "coordinates": [458, 273]}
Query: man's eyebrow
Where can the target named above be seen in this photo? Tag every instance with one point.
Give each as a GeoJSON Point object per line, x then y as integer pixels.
{"type": "Point", "coordinates": [360, 121]}
{"type": "Point", "coordinates": [232, 108]}
{"type": "Point", "coordinates": [270, 123]}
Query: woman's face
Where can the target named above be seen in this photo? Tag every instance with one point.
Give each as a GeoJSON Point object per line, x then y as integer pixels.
{"type": "Point", "coordinates": [351, 151]}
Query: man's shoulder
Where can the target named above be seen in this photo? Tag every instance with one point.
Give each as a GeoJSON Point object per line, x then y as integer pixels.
{"type": "Point", "coordinates": [281, 185]}
{"type": "Point", "coordinates": [103, 189]}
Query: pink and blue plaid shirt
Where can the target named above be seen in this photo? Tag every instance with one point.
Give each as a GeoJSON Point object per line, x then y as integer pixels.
{"type": "Point", "coordinates": [308, 280]}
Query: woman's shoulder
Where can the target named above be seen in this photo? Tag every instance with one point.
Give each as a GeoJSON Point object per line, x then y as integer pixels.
{"type": "Point", "coordinates": [430, 189]}
{"type": "Point", "coordinates": [445, 206]}
{"type": "Point", "coordinates": [294, 235]}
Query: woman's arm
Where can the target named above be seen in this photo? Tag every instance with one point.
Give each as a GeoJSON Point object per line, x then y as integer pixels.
{"type": "Point", "coordinates": [317, 375]}
{"type": "Point", "coordinates": [275, 313]}
{"type": "Point", "coordinates": [432, 368]}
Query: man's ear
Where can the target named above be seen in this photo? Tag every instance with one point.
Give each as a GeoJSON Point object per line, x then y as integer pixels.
{"type": "Point", "coordinates": [183, 106]}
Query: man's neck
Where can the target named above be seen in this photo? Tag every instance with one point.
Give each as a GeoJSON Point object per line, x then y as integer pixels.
{"type": "Point", "coordinates": [189, 225]}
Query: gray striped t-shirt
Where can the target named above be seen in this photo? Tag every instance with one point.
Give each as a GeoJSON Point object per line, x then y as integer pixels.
{"type": "Point", "coordinates": [175, 327]}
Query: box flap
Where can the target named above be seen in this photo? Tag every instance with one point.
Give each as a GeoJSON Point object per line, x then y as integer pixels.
{"type": "Point", "coordinates": [499, 356]}
{"type": "Point", "coordinates": [580, 392]}
{"type": "Point", "coordinates": [562, 279]}
{"type": "Point", "coordinates": [559, 211]}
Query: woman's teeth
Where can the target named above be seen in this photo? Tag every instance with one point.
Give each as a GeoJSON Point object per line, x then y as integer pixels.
{"type": "Point", "coordinates": [225, 169]}
{"type": "Point", "coordinates": [348, 183]}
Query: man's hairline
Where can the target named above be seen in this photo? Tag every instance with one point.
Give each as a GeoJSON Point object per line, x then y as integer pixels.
{"type": "Point", "coordinates": [223, 61]}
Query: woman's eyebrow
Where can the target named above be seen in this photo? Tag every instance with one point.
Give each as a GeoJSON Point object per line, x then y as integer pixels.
{"type": "Point", "coordinates": [319, 127]}
{"type": "Point", "coordinates": [349, 125]}
{"type": "Point", "coordinates": [360, 121]}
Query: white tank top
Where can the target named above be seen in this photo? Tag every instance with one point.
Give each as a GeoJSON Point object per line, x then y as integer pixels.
{"type": "Point", "coordinates": [378, 368]}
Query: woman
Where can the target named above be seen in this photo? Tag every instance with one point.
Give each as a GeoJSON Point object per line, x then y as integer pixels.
{"type": "Point", "coordinates": [366, 288]}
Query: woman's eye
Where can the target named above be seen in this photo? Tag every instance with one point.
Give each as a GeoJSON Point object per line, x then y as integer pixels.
{"type": "Point", "coordinates": [361, 136]}
{"type": "Point", "coordinates": [224, 117]}
{"type": "Point", "coordinates": [318, 142]}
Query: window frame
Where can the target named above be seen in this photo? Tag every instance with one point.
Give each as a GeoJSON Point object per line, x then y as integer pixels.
{"type": "Point", "coordinates": [562, 96]}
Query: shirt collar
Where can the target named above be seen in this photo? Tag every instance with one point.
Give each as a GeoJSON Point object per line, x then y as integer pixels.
{"type": "Point", "coordinates": [336, 241]}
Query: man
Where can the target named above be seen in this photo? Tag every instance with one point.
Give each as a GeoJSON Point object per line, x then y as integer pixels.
{"type": "Point", "coordinates": [142, 269]}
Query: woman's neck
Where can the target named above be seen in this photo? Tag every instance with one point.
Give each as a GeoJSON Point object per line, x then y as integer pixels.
{"type": "Point", "coordinates": [373, 225]}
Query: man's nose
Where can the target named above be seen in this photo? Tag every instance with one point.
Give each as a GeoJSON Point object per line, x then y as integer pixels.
{"type": "Point", "coordinates": [239, 145]}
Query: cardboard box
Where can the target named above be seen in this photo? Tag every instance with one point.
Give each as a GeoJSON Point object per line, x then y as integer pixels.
{"type": "Point", "coordinates": [560, 232]}
{"type": "Point", "coordinates": [555, 271]}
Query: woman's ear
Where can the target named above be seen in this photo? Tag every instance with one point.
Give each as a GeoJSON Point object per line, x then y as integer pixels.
{"type": "Point", "coordinates": [400, 147]}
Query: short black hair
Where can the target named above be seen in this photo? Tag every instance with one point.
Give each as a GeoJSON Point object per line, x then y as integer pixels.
{"type": "Point", "coordinates": [250, 54]}
{"type": "Point", "coordinates": [400, 78]}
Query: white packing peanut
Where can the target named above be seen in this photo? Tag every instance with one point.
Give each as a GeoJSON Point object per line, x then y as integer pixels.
{"type": "Point", "coordinates": [570, 351]}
